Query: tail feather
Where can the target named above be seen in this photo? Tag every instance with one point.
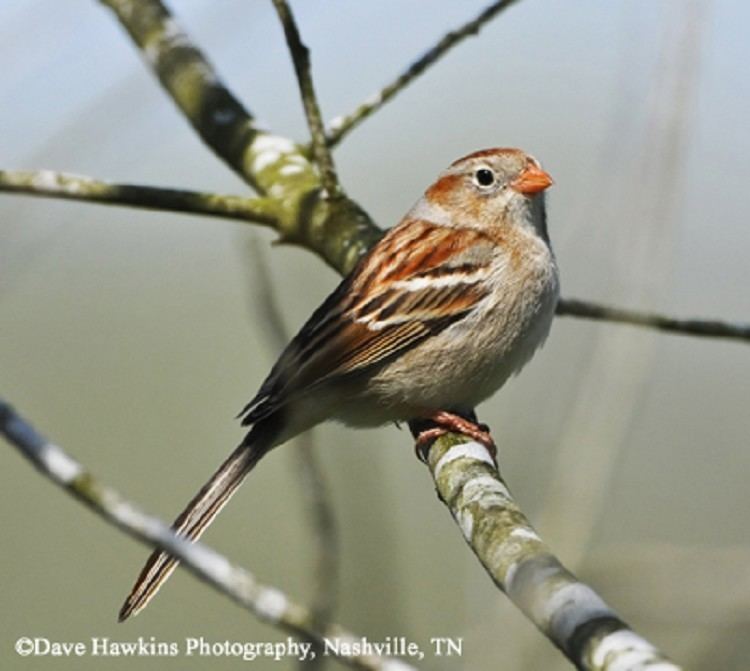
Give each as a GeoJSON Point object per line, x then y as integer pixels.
{"type": "Point", "coordinates": [198, 514]}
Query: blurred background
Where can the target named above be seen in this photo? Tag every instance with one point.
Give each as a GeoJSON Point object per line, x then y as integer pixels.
{"type": "Point", "coordinates": [132, 338]}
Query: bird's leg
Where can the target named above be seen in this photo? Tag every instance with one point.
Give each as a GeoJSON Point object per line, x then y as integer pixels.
{"type": "Point", "coordinates": [450, 422]}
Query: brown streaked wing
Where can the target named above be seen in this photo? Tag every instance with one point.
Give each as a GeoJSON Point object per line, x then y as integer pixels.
{"type": "Point", "coordinates": [352, 332]}
{"type": "Point", "coordinates": [357, 346]}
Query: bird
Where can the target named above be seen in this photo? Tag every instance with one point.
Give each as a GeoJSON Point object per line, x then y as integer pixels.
{"type": "Point", "coordinates": [432, 320]}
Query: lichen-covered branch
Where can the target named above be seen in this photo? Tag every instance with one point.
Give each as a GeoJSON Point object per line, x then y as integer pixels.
{"type": "Point", "coordinates": [567, 611]}
{"type": "Point", "coordinates": [51, 184]}
{"type": "Point", "coordinates": [301, 59]}
{"type": "Point", "coordinates": [712, 328]}
{"type": "Point", "coordinates": [343, 125]}
{"type": "Point", "coordinates": [267, 603]}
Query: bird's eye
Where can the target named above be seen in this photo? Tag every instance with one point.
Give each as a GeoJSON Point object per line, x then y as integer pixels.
{"type": "Point", "coordinates": [484, 177]}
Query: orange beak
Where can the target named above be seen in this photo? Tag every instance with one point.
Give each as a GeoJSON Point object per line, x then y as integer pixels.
{"type": "Point", "coordinates": [531, 181]}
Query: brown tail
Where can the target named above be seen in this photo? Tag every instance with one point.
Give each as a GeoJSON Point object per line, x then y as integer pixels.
{"type": "Point", "coordinates": [198, 514]}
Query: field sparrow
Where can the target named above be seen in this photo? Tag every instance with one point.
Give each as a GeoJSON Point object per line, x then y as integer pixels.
{"type": "Point", "coordinates": [431, 321]}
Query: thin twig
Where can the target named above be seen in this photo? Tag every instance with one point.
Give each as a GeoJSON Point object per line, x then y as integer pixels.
{"type": "Point", "coordinates": [571, 307]}
{"type": "Point", "coordinates": [574, 617]}
{"type": "Point", "coordinates": [343, 125]}
{"type": "Point", "coordinates": [301, 59]}
{"type": "Point", "coordinates": [267, 603]}
{"type": "Point", "coordinates": [314, 487]}
{"type": "Point", "coordinates": [51, 184]}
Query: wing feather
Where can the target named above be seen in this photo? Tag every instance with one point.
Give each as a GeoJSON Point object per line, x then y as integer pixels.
{"type": "Point", "coordinates": [357, 328]}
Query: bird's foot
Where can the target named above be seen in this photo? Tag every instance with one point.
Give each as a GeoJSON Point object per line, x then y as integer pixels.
{"type": "Point", "coordinates": [449, 422]}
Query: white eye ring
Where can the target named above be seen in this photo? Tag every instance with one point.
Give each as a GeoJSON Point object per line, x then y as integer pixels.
{"type": "Point", "coordinates": [484, 178]}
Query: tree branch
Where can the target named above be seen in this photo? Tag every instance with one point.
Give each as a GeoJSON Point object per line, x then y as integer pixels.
{"type": "Point", "coordinates": [565, 610]}
{"type": "Point", "coordinates": [267, 603]}
{"type": "Point", "coordinates": [51, 184]}
{"type": "Point", "coordinates": [301, 59]}
{"type": "Point", "coordinates": [343, 125]}
{"type": "Point", "coordinates": [572, 307]}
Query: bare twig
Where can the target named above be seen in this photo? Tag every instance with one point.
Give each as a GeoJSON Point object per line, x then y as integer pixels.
{"type": "Point", "coordinates": [301, 59]}
{"type": "Point", "coordinates": [314, 487]}
{"type": "Point", "coordinates": [572, 307]}
{"type": "Point", "coordinates": [50, 184]}
{"type": "Point", "coordinates": [343, 125]}
{"type": "Point", "coordinates": [267, 603]}
{"type": "Point", "coordinates": [568, 612]}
